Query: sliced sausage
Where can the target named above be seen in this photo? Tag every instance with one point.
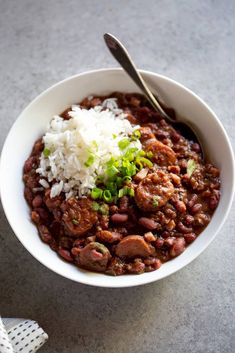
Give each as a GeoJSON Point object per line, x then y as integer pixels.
{"type": "Point", "coordinates": [94, 257]}
{"type": "Point", "coordinates": [134, 246]}
{"type": "Point", "coordinates": [108, 236]}
{"type": "Point", "coordinates": [78, 216]}
{"type": "Point", "coordinates": [163, 155]}
{"type": "Point", "coordinates": [154, 191]}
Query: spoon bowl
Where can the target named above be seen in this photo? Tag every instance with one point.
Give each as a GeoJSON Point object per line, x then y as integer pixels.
{"type": "Point", "coordinates": [121, 54]}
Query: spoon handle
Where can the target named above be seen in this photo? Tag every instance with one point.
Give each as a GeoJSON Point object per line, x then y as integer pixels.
{"type": "Point", "coordinates": [122, 56]}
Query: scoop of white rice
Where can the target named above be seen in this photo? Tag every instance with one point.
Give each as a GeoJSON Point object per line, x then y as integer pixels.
{"type": "Point", "coordinates": [69, 143]}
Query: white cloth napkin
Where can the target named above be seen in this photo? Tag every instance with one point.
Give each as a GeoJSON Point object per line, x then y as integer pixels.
{"type": "Point", "coordinates": [20, 336]}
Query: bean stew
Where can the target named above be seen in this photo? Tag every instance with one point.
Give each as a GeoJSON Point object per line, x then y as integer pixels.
{"type": "Point", "coordinates": [159, 210]}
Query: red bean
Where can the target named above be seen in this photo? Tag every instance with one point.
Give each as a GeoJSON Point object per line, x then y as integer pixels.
{"type": "Point", "coordinates": [35, 217]}
{"type": "Point", "coordinates": [196, 208]}
{"type": "Point", "coordinates": [183, 229]}
{"type": "Point", "coordinates": [178, 247]}
{"type": "Point", "coordinates": [29, 164]}
{"type": "Point", "coordinates": [195, 147]}
{"type": "Point", "coordinates": [175, 136]}
{"type": "Point", "coordinates": [214, 200]}
{"type": "Point", "coordinates": [188, 220]}
{"type": "Point", "coordinates": [170, 213]}
{"type": "Point", "coordinates": [169, 241]}
{"type": "Point", "coordinates": [193, 200]}
{"type": "Point", "coordinates": [159, 243]}
{"type": "Point", "coordinates": [161, 134]}
{"type": "Point", "coordinates": [37, 201]}
{"type": "Point", "coordinates": [28, 195]}
{"type": "Point", "coordinates": [148, 223]}
{"type": "Point", "coordinates": [180, 206]}
{"type": "Point", "coordinates": [119, 218]}
{"type": "Point", "coordinates": [42, 213]}
{"type": "Point", "coordinates": [45, 234]}
{"type": "Point", "coordinates": [165, 234]}
{"type": "Point", "coordinates": [153, 263]}
{"type": "Point", "coordinates": [189, 238]}
{"type": "Point", "coordinates": [65, 254]}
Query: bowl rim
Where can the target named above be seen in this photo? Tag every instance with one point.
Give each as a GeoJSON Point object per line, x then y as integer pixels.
{"type": "Point", "coordinates": [141, 278]}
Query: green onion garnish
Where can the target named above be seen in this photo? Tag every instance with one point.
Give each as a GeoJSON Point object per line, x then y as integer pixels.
{"type": "Point", "coordinates": [111, 171]}
{"type": "Point", "coordinates": [191, 166]}
{"type": "Point", "coordinates": [90, 160]}
{"type": "Point", "coordinates": [104, 209]}
{"type": "Point", "coordinates": [95, 206]}
{"type": "Point", "coordinates": [126, 179]}
{"type": "Point", "coordinates": [75, 221]}
{"type": "Point", "coordinates": [46, 152]}
{"type": "Point", "coordinates": [155, 201]}
{"type": "Point", "coordinates": [123, 144]}
{"type": "Point", "coordinates": [146, 162]}
{"type": "Point", "coordinates": [149, 154]}
{"type": "Point", "coordinates": [96, 193]}
{"type": "Point", "coordinates": [136, 134]}
{"type": "Point", "coordinates": [107, 196]}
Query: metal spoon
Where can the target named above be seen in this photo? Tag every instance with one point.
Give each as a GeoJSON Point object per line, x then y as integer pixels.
{"type": "Point", "coordinates": [122, 56]}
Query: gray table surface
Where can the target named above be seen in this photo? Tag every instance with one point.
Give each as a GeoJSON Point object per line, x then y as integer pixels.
{"type": "Point", "coordinates": [42, 42]}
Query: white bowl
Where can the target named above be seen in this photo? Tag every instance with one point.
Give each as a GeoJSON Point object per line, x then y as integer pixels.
{"type": "Point", "coordinates": [32, 123]}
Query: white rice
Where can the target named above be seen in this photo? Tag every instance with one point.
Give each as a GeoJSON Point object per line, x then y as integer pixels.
{"type": "Point", "coordinates": [72, 141]}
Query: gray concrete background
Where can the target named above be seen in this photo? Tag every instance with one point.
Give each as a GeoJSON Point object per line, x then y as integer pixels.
{"type": "Point", "coordinates": [42, 42]}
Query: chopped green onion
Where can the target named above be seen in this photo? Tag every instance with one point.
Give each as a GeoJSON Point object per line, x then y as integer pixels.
{"type": "Point", "coordinates": [141, 153]}
{"type": "Point", "coordinates": [74, 221]}
{"type": "Point", "coordinates": [123, 144]}
{"type": "Point", "coordinates": [136, 134]}
{"type": "Point", "coordinates": [126, 179]}
{"type": "Point", "coordinates": [107, 196]}
{"type": "Point", "coordinates": [119, 181]}
{"type": "Point", "coordinates": [111, 171]}
{"type": "Point", "coordinates": [96, 193]}
{"type": "Point", "coordinates": [95, 206]}
{"type": "Point", "coordinates": [191, 166]}
{"type": "Point", "coordinates": [155, 201]}
{"type": "Point", "coordinates": [95, 144]}
{"type": "Point", "coordinates": [121, 192]}
{"type": "Point", "coordinates": [131, 192]}
{"type": "Point", "coordinates": [149, 154]}
{"type": "Point", "coordinates": [112, 187]}
{"type": "Point", "coordinates": [146, 161]}
{"type": "Point", "coordinates": [46, 152]}
{"type": "Point", "coordinates": [114, 136]}
{"type": "Point", "coordinates": [104, 209]}
{"type": "Point", "coordinates": [99, 179]}
{"type": "Point", "coordinates": [90, 160]}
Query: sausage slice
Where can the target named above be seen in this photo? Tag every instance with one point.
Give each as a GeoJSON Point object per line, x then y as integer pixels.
{"type": "Point", "coordinates": [134, 246]}
{"type": "Point", "coordinates": [78, 216]}
{"type": "Point", "coordinates": [163, 155]}
{"type": "Point", "coordinates": [154, 191]}
{"type": "Point", "coordinates": [94, 257]}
